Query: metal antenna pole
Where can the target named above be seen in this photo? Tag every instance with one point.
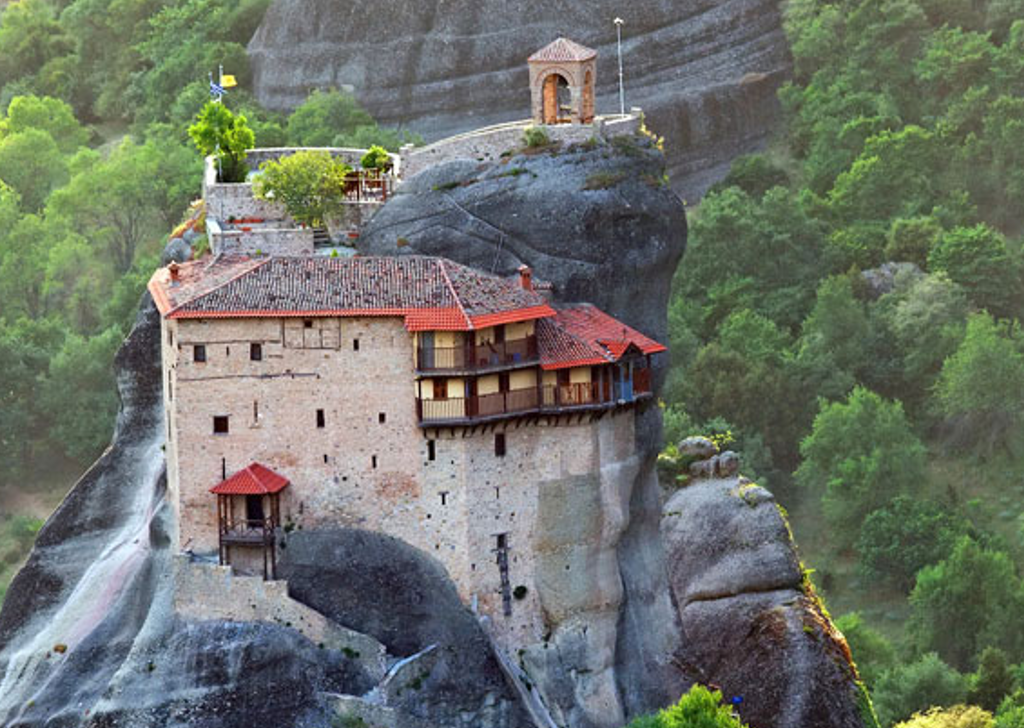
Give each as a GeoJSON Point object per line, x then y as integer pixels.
{"type": "Point", "coordinates": [622, 90]}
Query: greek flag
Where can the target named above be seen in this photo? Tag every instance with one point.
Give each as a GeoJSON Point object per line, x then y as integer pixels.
{"type": "Point", "coordinates": [216, 90]}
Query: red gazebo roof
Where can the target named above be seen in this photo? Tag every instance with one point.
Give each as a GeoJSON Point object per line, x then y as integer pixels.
{"type": "Point", "coordinates": [254, 480]}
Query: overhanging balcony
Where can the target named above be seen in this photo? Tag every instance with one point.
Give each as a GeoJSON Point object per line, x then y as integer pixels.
{"type": "Point", "coordinates": [472, 358]}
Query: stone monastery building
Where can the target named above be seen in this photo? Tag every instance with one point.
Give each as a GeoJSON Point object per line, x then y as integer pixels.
{"type": "Point", "coordinates": [411, 396]}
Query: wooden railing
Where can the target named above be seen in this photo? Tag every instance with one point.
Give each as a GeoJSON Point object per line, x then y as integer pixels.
{"type": "Point", "coordinates": [247, 531]}
{"type": "Point", "coordinates": [477, 356]}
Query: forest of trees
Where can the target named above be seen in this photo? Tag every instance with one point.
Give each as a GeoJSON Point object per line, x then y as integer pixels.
{"type": "Point", "coordinates": [886, 416]}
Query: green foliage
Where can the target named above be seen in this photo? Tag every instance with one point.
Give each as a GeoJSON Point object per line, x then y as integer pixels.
{"type": "Point", "coordinates": [965, 603]}
{"type": "Point", "coordinates": [29, 37]}
{"type": "Point", "coordinates": [872, 652]}
{"type": "Point", "coordinates": [755, 174]}
{"type": "Point", "coordinates": [697, 708]}
{"type": "Point", "coordinates": [1011, 711]}
{"type": "Point", "coordinates": [535, 137]}
{"type": "Point", "coordinates": [911, 239]}
{"type": "Point", "coordinates": [978, 259]}
{"type": "Point", "coordinates": [31, 163]}
{"type": "Point", "coordinates": [53, 116]}
{"type": "Point", "coordinates": [917, 686]}
{"type": "Point", "coordinates": [309, 183]}
{"type": "Point", "coordinates": [220, 132]}
{"type": "Point", "coordinates": [860, 454]}
{"type": "Point", "coordinates": [959, 716]}
{"type": "Point", "coordinates": [981, 387]}
{"type": "Point", "coordinates": [903, 537]}
{"type": "Point", "coordinates": [323, 116]}
{"type": "Point", "coordinates": [376, 157]}
{"type": "Point", "coordinates": [992, 682]}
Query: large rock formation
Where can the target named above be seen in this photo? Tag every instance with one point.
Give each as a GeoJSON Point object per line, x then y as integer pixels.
{"type": "Point", "coordinates": [705, 71]}
{"type": "Point", "coordinates": [751, 622]}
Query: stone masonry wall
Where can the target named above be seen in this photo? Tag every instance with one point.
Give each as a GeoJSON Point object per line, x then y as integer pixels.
{"type": "Point", "coordinates": [260, 240]}
{"type": "Point", "coordinates": [370, 467]}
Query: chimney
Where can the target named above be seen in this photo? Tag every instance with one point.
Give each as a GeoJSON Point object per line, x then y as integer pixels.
{"type": "Point", "coordinates": [175, 271]}
{"type": "Point", "coordinates": [526, 277]}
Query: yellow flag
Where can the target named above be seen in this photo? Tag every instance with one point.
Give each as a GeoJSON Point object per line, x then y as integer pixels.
{"type": "Point", "coordinates": [228, 81]}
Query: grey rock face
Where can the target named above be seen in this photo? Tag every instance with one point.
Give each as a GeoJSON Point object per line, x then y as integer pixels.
{"type": "Point", "coordinates": [705, 71]}
{"type": "Point", "coordinates": [178, 249]}
{"type": "Point", "coordinates": [749, 625]}
{"type": "Point", "coordinates": [698, 447]}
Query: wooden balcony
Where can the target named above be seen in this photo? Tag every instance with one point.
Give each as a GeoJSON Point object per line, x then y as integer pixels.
{"type": "Point", "coordinates": [554, 399]}
{"type": "Point", "coordinates": [247, 532]}
{"type": "Point", "coordinates": [477, 358]}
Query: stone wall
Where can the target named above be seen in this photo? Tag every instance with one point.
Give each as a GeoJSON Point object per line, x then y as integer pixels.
{"type": "Point", "coordinates": [211, 592]}
{"type": "Point", "coordinates": [260, 240]}
{"type": "Point", "coordinates": [490, 143]}
{"type": "Point", "coordinates": [370, 466]}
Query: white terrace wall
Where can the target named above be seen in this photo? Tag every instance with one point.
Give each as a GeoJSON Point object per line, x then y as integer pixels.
{"type": "Point", "coordinates": [261, 240]}
{"type": "Point", "coordinates": [488, 144]}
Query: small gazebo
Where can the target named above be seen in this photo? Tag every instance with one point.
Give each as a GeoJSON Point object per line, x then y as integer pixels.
{"type": "Point", "coordinates": [562, 79]}
{"type": "Point", "coordinates": [249, 513]}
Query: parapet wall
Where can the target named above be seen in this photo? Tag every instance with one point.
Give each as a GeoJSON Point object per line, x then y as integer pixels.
{"type": "Point", "coordinates": [205, 592]}
{"type": "Point", "coordinates": [260, 240]}
{"type": "Point", "coordinates": [490, 143]}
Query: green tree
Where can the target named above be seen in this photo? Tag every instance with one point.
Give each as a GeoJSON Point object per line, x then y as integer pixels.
{"type": "Point", "coordinates": [954, 60]}
{"type": "Point", "coordinates": [323, 116]}
{"type": "Point", "coordinates": [32, 164]}
{"type": "Point", "coordinates": [900, 539]}
{"type": "Point", "coordinates": [755, 174]}
{"type": "Point", "coordinates": [1011, 711]}
{"type": "Point", "coordinates": [872, 652]}
{"type": "Point", "coordinates": [959, 716]}
{"type": "Point", "coordinates": [992, 682]}
{"type": "Point", "coordinates": [310, 184]}
{"type": "Point", "coordinates": [978, 259]}
{"type": "Point", "coordinates": [833, 347]}
{"type": "Point", "coordinates": [376, 157]}
{"type": "Point", "coordinates": [965, 603]}
{"type": "Point", "coordinates": [920, 685]}
{"type": "Point", "coordinates": [29, 37]}
{"type": "Point", "coordinates": [980, 390]}
{"type": "Point", "coordinates": [53, 116]}
{"type": "Point", "coordinates": [911, 239]}
{"type": "Point", "coordinates": [697, 708]}
{"type": "Point", "coordinates": [78, 395]}
{"type": "Point", "coordinates": [859, 455]}
{"type": "Point", "coordinates": [221, 133]}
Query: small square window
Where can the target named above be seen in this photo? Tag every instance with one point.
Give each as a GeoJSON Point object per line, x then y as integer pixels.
{"type": "Point", "coordinates": [382, 418]}
{"type": "Point", "coordinates": [220, 425]}
{"type": "Point", "coordinates": [199, 353]}
{"type": "Point", "coordinates": [308, 324]}
{"type": "Point", "coordinates": [256, 351]}
{"type": "Point", "coordinates": [321, 420]}
{"type": "Point", "coordinates": [499, 444]}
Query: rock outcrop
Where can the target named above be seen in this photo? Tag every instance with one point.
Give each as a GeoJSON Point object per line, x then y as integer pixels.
{"type": "Point", "coordinates": [751, 623]}
{"type": "Point", "coordinates": [704, 71]}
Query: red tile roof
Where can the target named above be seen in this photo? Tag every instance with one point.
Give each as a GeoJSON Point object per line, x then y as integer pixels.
{"type": "Point", "coordinates": [254, 480]}
{"type": "Point", "coordinates": [583, 335]}
{"type": "Point", "coordinates": [563, 50]}
{"type": "Point", "coordinates": [429, 293]}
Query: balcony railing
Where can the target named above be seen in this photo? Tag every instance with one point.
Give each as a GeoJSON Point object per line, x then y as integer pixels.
{"type": "Point", "coordinates": [472, 356]}
{"type": "Point", "coordinates": [552, 398]}
{"type": "Point", "coordinates": [247, 531]}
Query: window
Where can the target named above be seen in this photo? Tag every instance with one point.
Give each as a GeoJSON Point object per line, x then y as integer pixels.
{"type": "Point", "coordinates": [223, 468]}
{"type": "Point", "coordinates": [170, 337]}
{"type": "Point", "coordinates": [502, 541]}
{"type": "Point", "coordinates": [254, 508]}
{"type": "Point", "coordinates": [321, 421]}
{"type": "Point", "coordinates": [431, 450]}
{"type": "Point", "coordinates": [199, 353]}
{"type": "Point", "coordinates": [373, 461]}
{"type": "Point", "coordinates": [444, 497]}
{"type": "Point", "coordinates": [355, 344]}
{"type": "Point", "coordinates": [220, 425]}
{"type": "Point", "coordinates": [440, 388]}
{"type": "Point", "coordinates": [255, 411]}
{"type": "Point", "coordinates": [308, 324]}
{"type": "Point", "coordinates": [325, 458]}
{"type": "Point", "coordinates": [255, 352]}
{"type": "Point", "coordinates": [170, 387]}
{"type": "Point", "coordinates": [499, 444]}
{"type": "Point", "coordinates": [382, 417]}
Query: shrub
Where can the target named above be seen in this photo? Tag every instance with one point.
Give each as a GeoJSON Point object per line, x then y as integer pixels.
{"type": "Point", "coordinates": [219, 132]}
{"type": "Point", "coordinates": [325, 115]}
{"type": "Point", "coordinates": [907, 689]}
{"type": "Point", "coordinates": [376, 157]}
{"type": "Point", "coordinates": [698, 708]}
{"type": "Point", "coordinates": [992, 682]}
{"type": "Point", "coordinates": [959, 716]}
{"type": "Point", "coordinates": [755, 174]}
{"type": "Point", "coordinates": [871, 651]}
{"type": "Point", "coordinates": [535, 137]}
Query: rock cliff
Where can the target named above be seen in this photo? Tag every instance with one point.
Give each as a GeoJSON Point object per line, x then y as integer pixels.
{"type": "Point", "coordinates": [705, 71]}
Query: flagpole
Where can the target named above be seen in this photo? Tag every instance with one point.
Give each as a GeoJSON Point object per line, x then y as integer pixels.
{"type": "Point", "coordinates": [622, 91]}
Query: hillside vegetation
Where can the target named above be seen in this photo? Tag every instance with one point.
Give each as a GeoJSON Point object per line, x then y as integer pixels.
{"type": "Point", "coordinates": [883, 403]}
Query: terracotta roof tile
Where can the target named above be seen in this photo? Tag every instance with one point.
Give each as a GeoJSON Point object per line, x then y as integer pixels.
{"type": "Point", "coordinates": [254, 480]}
{"type": "Point", "coordinates": [430, 293]}
{"type": "Point", "coordinates": [563, 50]}
{"type": "Point", "coordinates": [583, 335]}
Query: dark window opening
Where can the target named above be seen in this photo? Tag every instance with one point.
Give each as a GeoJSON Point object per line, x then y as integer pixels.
{"type": "Point", "coordinates": [440, 388]}
{"type": "Point", "coordinates": [431, 450]}
{"type": "Point", "coordinates": [444, 497]}
{"type": "Point", "coordinates": [321, 421]}
{"type": "Point", "coordinates": [170, 387]}
{"type": "Point", "coordinates": [563, 377]}
{"type": "Point", "coordinates": [502, 540]}
{"type": "Point", "coordinates": [255, 410]}
{"type": "Point", "coordinates": [325, 459]}
{"type": "Point", "coordinates": [223, 468]}
{"type": "Point", "coordinates": [382, 417]}
{"type": "Point", "coordinates": [256, 352]}
{"type": "Point", "coordinates": [170, 337]}
{"type": "Point", "coordinates": [308, 324]}
{"type": "Point", "coordinates": [355, 344]}
{"type": "Point", "coordinates": [499, 444]}
{"type": "Point", "coordinates": [199, 353]}
{"type": "Point", "coordinates": [497, 493]}
{"type": "Point", "coordinates": [254, 508]}
{"type": "Point", "coordinates": [220, 425]}
{"type": "Point", "coordinates": [227, 351]}
{"type": "Point", "coordinates": [373, 461]}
